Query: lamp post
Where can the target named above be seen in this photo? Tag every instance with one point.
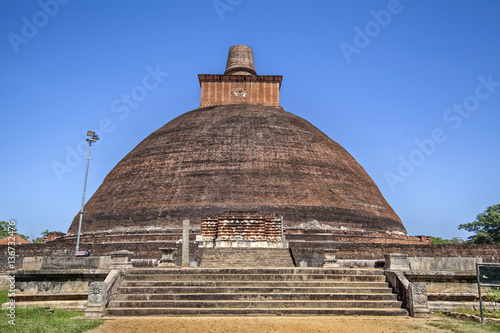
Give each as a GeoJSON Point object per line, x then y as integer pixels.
{"type": "Point", "coordinates": [91, 137]}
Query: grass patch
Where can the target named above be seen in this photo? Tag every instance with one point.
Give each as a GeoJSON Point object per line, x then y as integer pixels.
{"type": "Point", "coordinates": [462, 326]}
{"type": "Point", "coordinates": [490, 299]}
{"type": "Point", "coordinates": [35, 320]}
{"type": "Point", "coordinates": [486, 313]}
{"type": "Point", "coordinates": [3, 296]}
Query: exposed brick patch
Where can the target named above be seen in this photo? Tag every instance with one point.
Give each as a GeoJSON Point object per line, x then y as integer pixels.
{"type": "Point", "coordinates": [251, 226]}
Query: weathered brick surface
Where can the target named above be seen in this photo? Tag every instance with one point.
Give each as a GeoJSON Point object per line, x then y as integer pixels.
{"type": "Point", "coordinates": [240, 158]}
{"type": "Point", "coordinates": [272, 228]}
{"type": "Point", "coordinates": [312, 252]}
{"type": "Point", "coordinates": [353, 236]}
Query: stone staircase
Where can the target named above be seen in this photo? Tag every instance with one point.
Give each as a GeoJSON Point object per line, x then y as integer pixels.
{"type": "Point", "coordinates": [246, 257]}
{"type": "Point", "coordinates": [257, 291]}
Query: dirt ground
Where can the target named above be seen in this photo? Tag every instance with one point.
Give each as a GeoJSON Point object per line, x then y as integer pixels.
{"type": "Point", "coordinates": [267, 324]}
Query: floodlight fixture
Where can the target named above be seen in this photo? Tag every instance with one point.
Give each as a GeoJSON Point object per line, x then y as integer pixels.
{"type": "Point", "coordinates": [91, 137]}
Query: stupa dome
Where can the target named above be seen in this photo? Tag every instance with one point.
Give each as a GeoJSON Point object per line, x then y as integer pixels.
{"type": "Point", "coordinates": [246, 156]}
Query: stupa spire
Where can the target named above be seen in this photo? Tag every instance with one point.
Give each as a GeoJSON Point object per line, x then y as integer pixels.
{"type": "Point", "coordinates": [240, 84]}
{"type": "Point", "coordinates": [240, 61]}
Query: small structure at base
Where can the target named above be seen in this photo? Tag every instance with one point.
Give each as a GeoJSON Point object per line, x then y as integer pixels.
{"type": "Point", "coordinates": [121, 260]}
{"type": "Point", "coordinates": [329, 258]}
{"type": "Point", "coordinates": [167, 257]}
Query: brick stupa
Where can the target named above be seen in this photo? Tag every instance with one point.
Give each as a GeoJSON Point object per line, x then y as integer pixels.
{"type": "Point", "coordinates": [240, 151]}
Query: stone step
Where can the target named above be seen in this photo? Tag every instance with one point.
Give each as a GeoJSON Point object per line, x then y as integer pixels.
{"type": "Point", "coordinates": [245, 249]}
{"type": "Point", "coordinates": [255, 277]}
{"type": "Point", "coordinates": [309, 297]}
{"type": "Point", "coordinates": [70, 305]}
{"type": "Point", "coordinates": [246, 257]}
{"type": "Point", "coordinates": [238, 290]}
{"type": "Point", "coordinates": [252, 262]}
{"type": "Point", "coordinates": [255, 291]}
{"type": "Point", "coordinates": [227, 256]}
{"type": "Point", "coordinates": [256, 260]}
{"type": "Point", "coordinates": [258, 270]}
{"type": "Point", "coordinates": [210, 253]}
{"type": "Point", "coordinates": [255, 312]}
{"type": "Point", "coordinates": [254, 304]}
{"type": "Point", "coordinates": [257, 252]}
{"type": "Point", "coordinates": [256, 284]}
{"type": "Point", "coordinates": [451, 297]}
{"type": "Point", "coordinates": [238, 254]}
{"type": "Point", "coordinates": [50, 297]}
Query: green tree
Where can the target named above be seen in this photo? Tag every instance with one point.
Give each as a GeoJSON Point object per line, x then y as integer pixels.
{"type": "Point", "coordinates": [9, 228]}
{"type": "Point", "coordinates": [441, 241]}
{"type": "Point", "coordinates": [38, 240]}
{"type": "Point", "coordinates": [486, 226]}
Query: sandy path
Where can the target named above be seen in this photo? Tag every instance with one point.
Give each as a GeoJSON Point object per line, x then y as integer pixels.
{"type": "Point", "coordinates": [267, 324]}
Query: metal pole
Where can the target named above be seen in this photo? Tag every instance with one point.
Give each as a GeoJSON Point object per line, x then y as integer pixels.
{"type": "Point", "coordinates": [479, 292]}
{"type": "Point", "coordinates": [83, 200]}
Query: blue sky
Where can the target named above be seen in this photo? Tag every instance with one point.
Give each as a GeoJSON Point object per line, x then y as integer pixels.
{"type": "Point", "coordinates": [410, 88]}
